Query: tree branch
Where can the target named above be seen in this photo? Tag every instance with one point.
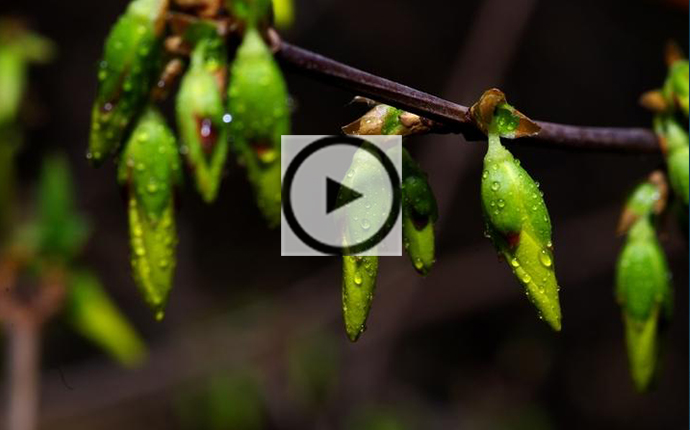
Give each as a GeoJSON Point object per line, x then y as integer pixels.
{"type": "Point", "coordinates": [453, 117]}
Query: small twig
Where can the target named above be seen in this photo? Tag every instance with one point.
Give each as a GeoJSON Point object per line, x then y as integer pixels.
{"type": "Point", "coordinates": [455, 117]}
{"type": "Point", "coordinates": [23, 322]}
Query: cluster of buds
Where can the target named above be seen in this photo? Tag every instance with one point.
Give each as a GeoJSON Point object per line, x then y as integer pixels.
{"type": "Point", "coordinates": [240, 104]}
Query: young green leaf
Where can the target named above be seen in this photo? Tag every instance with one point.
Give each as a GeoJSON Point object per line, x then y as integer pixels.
{"type": "Point", "coordinates": [150, 169]}
{"type": "Point", "coordinates": [200, 113]}
{"type": "Point", "coordinates": [644, 292]}
{"type": "Point", "coordinates": [61, 230]}
{"type": "Point", "coordinates": [125, 75]}
{"type": "Point", "coordinates": [518, 223]}
{"type": "Point", "coordinates": [93, 314]}
{"type": "Point", "coordinates": [258, 103]}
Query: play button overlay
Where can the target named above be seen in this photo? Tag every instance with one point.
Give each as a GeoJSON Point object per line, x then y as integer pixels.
{"type": "Point", "coordinates": [341, 195]}
{"type": "Point", "coordinates": [338, 195]}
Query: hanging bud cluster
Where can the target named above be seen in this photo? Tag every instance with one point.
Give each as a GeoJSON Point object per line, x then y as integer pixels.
{"type": "Point", "coordinates": [243, 105]}
{"type": "Point", "coordinates": [515, 214]}
{"type": "Point", "coordinates": [643, 286]}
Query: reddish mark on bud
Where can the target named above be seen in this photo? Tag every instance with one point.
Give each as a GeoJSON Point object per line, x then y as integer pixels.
{"type": "Point", "coordinates": [262, 148]}
{"type": "Point", "coordinates": [513, 239]}
{"type": "Point", "coordinates": [208, 134]}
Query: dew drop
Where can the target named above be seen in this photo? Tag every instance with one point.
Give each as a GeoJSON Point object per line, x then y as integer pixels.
{"type": "Point", "coordinates": [545, 258]}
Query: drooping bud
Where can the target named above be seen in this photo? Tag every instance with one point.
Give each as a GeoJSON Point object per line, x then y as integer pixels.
{"type": "Point", "coordinates": [359, 284]}
{"type": "Point", "coordinates": [675, 145]}
{"type": "Point", "coordinates": [420, 213]}
{"type": "Point", "coordinates": [419, 209]}
{"type": "Point", "coordinates": [515, 214]}
{"type": "Point", "coordinates": [360, 271]}
{"type": "Point", "coordinates": [150, 169]}
{"type": "Point", "coordinates": [643, 288]}
{"type": "Point", "coordinates": [201, 113]}
{"type": "Point", "coordinates": [258, 103]}
{"type": "Point", "coordinates": [125, 75]}
{"type": "Point", "coordinates": [93, 314]}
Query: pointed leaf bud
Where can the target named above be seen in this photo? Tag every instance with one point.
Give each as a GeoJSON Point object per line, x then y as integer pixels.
{"type": "Point", "coordinates": [644, 292]}
{"type": "Point", "coordinates": [258, 103]}
{"type": "Point", "coordinates": [201, 114]}
{"type": "Point", "coordinates": [125, 74]}
{"type": "Point", "coordinates": [518, 223]}
{"type": "Point", "coordinates": [150, 169]}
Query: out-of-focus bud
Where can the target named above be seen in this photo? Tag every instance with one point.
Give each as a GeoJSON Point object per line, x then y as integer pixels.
{"type": "Point", "coordinates": [93, 314]}
{"type": "Point", "coordinates": [150, 168]}
{"type": "Point", "coordinates": [253, 12]}
{"type": "Point", "coordinates": [125, 75]}
{"type": "Point", "coordinates": [648, 198]}
{"type": "Point", "coordinates": [201, 114]}
{"type": "Point", "coordinates": [676, 88]}
{"type": "Point", "coordinates": [61, 230]}
{"type": "Point", "coordinates": [515, 214]}
{"type": "Point", "coordinates": [258, 103]}
{"type": "Point", "coordinates": [283, 13]}
{"type": "Point", "coordinates": [644, 292]}
{"type": "Point", "coordinates": [674, 142]}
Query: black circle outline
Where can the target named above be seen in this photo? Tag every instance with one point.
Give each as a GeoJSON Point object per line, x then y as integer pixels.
{"type": "Point", "coordinates": [289, 177]}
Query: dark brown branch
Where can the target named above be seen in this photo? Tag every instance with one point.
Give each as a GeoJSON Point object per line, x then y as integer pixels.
{"type": "Point", "coordinates": [454, 117]}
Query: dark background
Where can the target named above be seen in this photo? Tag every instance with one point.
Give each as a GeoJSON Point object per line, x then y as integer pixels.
{"type": "Point", "coordinates": [460, 349]}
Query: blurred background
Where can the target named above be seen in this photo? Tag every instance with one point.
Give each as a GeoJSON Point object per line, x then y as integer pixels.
{"type": "Point", "coordinates": [255, 341]}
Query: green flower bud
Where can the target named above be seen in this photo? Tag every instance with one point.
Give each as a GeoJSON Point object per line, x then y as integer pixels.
{"type": "Point", "coordinates": [258, 103]}
{"type": "Point", "coordinates": [200, 111]}
{"type": "Point", "coordinates": [420, 212]}
{"type": "Point", "coordinates": [359, 272]}
{"type": "Point", "coordinates": [93, 314]}
{"type": "Point", "coordinates": [359, 284]}
{"type": "Point", "coordinates": [674, 139]}
{"type": "Point", "coordinates": [518, 223]}
{"type": "Point", "coordinates": [125, 74]}
{"type": "Point", "coordinates": [150, 169]}
{"type": "Point", "coordinates": [644, 292]}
